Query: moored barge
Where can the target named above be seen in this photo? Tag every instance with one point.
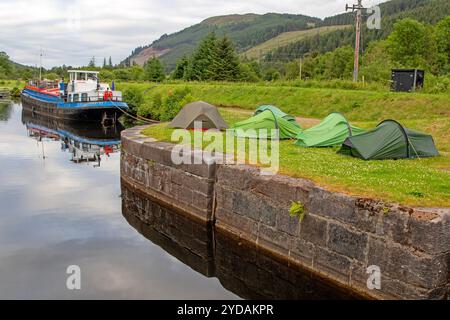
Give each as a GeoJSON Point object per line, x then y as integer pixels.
{"type": "Point", "coordinates": [84, 98]}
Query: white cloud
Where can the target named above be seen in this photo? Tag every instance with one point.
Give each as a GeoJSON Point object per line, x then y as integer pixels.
{"type": "Point", "coordinates": [72, 32]}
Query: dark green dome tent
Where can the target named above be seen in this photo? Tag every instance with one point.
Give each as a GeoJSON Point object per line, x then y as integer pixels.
{"type": "Point", "coordinates": [390, 140]}
{"type": "Point", "coordinates": [266, 120]}
{"type": "Point", "coordinates": [276, 111]}
{"type": "Point", "coordinates": [332, 131]}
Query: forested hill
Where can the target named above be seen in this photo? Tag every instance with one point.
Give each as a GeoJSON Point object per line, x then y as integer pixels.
{"type": "Point", "coordinates": [250, 30]}
{"type": "Point", "coordinates": [245, 31]}
{"type": "Point", "coordinates": [425, 11]}
{"type": "Point", "coordinates": [12, 70]}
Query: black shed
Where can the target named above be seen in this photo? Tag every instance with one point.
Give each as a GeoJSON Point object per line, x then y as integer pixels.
{"type": "Point", "coordinates": [407, 79]}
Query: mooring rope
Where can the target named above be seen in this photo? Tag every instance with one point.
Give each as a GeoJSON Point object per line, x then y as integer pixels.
{"type": "Point", "coordinates": [137, 117]}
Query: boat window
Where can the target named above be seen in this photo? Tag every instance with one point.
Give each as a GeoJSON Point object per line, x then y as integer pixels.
{"type": "Point", "coordinates": [84, 97]}
{"type": "Point", "coordinates": [69, 99]}
{"type": "Point", "coordinates": [76, 97]}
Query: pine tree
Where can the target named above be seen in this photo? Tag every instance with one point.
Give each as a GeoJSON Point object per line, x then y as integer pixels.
{"type": "Point", "coordinates": [104, 62]}
{"type": "Point", "coordinates": [225, 66]}
{"type": "Point", "coordinates": [200, 66]}
{"type": "Point", "coordinates": [181, 68]}
{"type": "Point", "coordinates": [110, 64]}
{"type": "Point", "coordinates": [153, 70]}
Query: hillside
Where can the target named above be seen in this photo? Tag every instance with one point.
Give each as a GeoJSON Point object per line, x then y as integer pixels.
{"type": "Point", "coordinates": [287, 38]}
{"type": "Point", "coordinates": [12, 70]}
{"type": "Point", "coordinates": [425, 11]}
{"type": "Point", "coordinates": [246, 31]}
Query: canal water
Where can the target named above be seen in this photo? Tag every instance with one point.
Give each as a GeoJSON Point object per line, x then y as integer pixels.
{"type": "Point", "coordinates": [57, 210]}
{"type": "Point", "coordinates": [62, 204]}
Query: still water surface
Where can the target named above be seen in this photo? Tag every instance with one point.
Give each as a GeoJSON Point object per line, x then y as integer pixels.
{"type": "Point", "coordinates": [57, 210]}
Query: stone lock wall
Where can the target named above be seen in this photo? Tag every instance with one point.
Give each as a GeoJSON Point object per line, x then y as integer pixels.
{"type": "Point", "coordinates": [147, 163]}
{"type": "Point", "coordinates": [338, 239]}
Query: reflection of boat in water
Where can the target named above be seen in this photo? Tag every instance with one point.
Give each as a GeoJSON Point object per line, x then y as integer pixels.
{"type": "Point", "coordinates": [241, 268]}
{"type": "Point", "coordinates": [86, 142]}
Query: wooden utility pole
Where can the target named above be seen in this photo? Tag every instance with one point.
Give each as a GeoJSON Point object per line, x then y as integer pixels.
{"type": "Point", "coordinates": [300, 67]}
{"type": "Point", "coordinates": [358, 8]}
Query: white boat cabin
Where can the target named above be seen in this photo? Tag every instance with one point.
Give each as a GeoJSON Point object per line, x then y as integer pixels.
{"type": "Point", "coordinates": [85, 86]}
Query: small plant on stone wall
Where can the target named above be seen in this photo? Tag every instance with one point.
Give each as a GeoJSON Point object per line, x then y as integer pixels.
{"type": "Point", "coordinates": [297, 210]}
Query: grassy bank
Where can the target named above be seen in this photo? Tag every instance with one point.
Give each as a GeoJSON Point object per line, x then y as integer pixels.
{"type": "Point", "coordinates": [420, 182]}
{"type": "Point", "coordinates": [357, 105]}
{"type": "Point", "coordinates": [10, 84]}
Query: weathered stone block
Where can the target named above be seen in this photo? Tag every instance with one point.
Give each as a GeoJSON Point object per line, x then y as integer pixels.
{"type": "Point", "coordinates": [333, 264]}
{"type": "Point", "coordinates": [302, 251]}
{"type": "Point", "coordinates": [273, 240]}
{"type": "Point", "coordinates": [240, 224]}
{"type": "Point", "coordinates": [224, 197]}
{"type": "Point", "coordinates": [237, 176]}
{"type": "Point", "coordinates": [185, 195]}
{"type": "Point", "coordinates": [314, 229]}
{"type": "Point", "coordinates": [246, 204]}
{"type": "Point", "coordinates": [268, 212]}
{"type": "Point", "coordinates": [394, 225]}
{"type": "Point", "coordinates": [202, 202]}
{"type": "Point", "coordinates": [342, 208]}
{"type": "Point", "coordinates": [197, 183]}
{"type": "Point", "coordinates": [286, 223]}
{"type": "Point", "coordinates": [347, 242]}
{"type": "Point", "coordinates": [398, 262]}
{"type": "Point", "coordinates": [282, 189]}
{"type": "Point", "coordinates": [332, 205]}
{"type": "Point", "coordinates": [430, 236]}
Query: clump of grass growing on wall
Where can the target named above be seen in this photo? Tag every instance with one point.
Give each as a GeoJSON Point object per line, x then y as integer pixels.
{"type": "Point", "coordinates": [297, 210]}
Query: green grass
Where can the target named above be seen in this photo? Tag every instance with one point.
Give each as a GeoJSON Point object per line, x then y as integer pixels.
{"type": "Point", "coordinates": [357, 105]}
{"type": "Point", "coordinates": [419, 182]}
{"type": "Point", "coordinates": [287, 38]}
{"type": "Point", "coordinates": [10, 84]}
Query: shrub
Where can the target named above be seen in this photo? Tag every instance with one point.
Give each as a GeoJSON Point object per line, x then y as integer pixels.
{"type": "Point", "coordinates": [15, 92]}
{"type": "Point", "coordinates": [173, 103]}
{"type": "Point", "coordinates": [134, 98]}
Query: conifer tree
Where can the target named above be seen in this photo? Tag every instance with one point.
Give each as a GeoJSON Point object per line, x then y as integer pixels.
{"type": "Point", "coordinates": [200, 66]}
{"type": "Point", "coordinates": [225, 65]}
{"type": "Point", "coordinates": [153, 70]}
{"type": "Point", "coordinates": [181, 68]}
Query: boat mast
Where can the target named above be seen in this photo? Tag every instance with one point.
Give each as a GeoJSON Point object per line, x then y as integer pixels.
{"type": "Point", "coordinates": [40, 66]}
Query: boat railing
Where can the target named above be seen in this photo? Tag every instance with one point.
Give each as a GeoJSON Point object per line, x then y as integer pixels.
{"type": "Point", "coordinates": [94, 99]}
{"type": "Point", "coordinates": [97, 99]}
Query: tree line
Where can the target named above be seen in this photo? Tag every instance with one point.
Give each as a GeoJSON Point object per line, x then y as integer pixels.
{"type": "Point", "coordinates": [411, 44]}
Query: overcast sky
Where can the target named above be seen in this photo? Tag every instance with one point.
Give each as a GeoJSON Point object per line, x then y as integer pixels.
{"type": "Point", "coordinates": [71, 32]}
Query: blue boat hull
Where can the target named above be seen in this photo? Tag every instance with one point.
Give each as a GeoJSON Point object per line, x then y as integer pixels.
{"type": "Point", "coordinates": [100, 111]}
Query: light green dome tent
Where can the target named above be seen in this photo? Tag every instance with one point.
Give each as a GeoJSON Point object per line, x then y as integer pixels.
{"type": "Point", "coordinates": [332, 131]}
{"type": "Point", "coordinates": [266, 120]}
{"type": "Point", "coordinates": [390, 140]}
{"type": "Point", "coordinates": [276, 111]}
